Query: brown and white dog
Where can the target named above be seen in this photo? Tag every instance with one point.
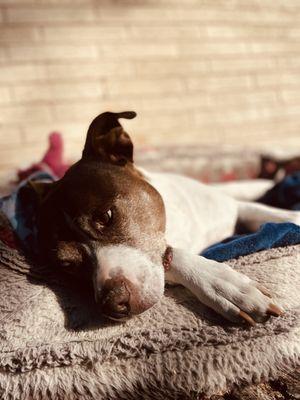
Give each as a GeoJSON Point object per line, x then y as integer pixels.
{"type": "Point", "coordinates": [127, 231]}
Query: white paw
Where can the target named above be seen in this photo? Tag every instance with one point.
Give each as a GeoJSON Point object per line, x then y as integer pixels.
{"type": "Point", "coordinates": [218, 286]}
{"type": "Point", "coordinates": [235, 296]}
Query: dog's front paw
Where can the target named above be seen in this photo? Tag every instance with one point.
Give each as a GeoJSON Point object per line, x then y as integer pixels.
{"type": "Point", "coordinates": [235, 296]}
{"type": "Point", "coordinates": [230, 293]}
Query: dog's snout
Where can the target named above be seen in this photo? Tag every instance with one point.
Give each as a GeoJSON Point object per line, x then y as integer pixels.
{"type": "Point", "coordinates": [126, 281]}
{"type": "Point", "coordinates": [119, 299]}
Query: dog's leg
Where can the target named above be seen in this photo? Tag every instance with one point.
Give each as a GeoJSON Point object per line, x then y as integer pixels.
{"type": "Point", "coordinates": [253, 215]}
{"type": "Point", "coordinates": [218, 286]}
{"type": "Point", "coordinates": [247, 190]}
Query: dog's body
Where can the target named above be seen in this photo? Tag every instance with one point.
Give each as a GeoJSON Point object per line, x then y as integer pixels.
{"type": "Point", "coordinates": [119, 226]}
{"type": "Point", "coordinates": [207, 214]}
{"type": "Point", "coordinates": [204, 214]}
{"type": "Point", "coordinates": [199, 215]}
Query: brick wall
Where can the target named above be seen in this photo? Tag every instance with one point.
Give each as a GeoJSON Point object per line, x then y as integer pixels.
{"type": "Point", "coordinates": [204, 71]}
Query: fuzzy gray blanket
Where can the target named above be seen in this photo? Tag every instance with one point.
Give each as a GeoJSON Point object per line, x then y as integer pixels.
{"type": "Point", "coordinates": [54, 345]}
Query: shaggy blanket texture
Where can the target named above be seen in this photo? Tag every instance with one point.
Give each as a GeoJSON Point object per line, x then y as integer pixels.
{"type": "Point", "coordinates": [55, 346]}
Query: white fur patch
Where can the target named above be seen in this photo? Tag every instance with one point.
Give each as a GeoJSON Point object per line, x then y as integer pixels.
{"type": "Point", "coordinates": [197, 215]}
{"type": "Point", "coordinates": [218, 286]}
{"type": "Point", "coordinates": [253, 215]}
{"type": "Point", "coordinates": [134, 265]}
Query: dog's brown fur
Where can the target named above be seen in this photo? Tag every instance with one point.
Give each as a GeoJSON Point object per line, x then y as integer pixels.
{"type": "Point", "coordinates": [72, 211]}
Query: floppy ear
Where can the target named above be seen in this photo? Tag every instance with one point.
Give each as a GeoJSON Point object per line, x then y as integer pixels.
{"type": "Point", "coordinates": [39, 188]}
{"type": "Point", "coordinates": [106, 139]}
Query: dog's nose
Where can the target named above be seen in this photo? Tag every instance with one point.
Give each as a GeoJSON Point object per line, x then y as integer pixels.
{"type": "Point", "coordinates": [118, 298]}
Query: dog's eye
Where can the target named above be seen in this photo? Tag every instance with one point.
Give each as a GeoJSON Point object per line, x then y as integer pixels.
{"type": "Point", "coordinates": [102, 220]}
{"type": "Point", "coordinates": [70, 267]}
{"type": "Point", "coordinates": [66, 264]}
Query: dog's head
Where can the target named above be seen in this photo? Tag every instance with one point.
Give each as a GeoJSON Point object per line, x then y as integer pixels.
{"type": "Point", "coordinates": [105, 223]}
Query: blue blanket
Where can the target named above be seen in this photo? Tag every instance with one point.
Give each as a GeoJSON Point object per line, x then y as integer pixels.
{"type": "Point", "coordinates": [20, 207]}
{"type": "Point", "coordinates": [21, 212]}
{"type": "Point", "coordinates": [269, 235]}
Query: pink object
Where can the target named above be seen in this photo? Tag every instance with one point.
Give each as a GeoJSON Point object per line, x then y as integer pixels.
{"type": "Point", "coordinates": [52, 160]}
{"type": "Point", "coordinates": [54, 155]}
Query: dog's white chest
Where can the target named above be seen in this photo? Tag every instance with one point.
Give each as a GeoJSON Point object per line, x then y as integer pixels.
{"type": "Point", "coordinates": [197, 215]}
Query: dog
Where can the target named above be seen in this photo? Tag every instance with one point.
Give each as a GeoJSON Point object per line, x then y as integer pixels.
{"type": "Point", "coordinates": [127, 231]}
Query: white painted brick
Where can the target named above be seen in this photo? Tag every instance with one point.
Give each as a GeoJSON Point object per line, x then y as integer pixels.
{"type": "Point", "coordinates": [141, 88]}
{"type": "Point", "coordinates": [14, 115]}
{"type": "Point", "coordinates": [38, 3]}
{"type": "Point", "coordinates": [289, 95]}
{"type": "Point", "coordinates": [278, 79]}
{"type": "Point", "coordinates": [121, 33]}
{"type": "Point", "coordinates": [188, 15]}
{"type": "Point", "coordinates": [13, 73]}
{"type": "Point", "coordinates": [5, 95]}
{"type": "Point", "coordinates": [274, 47]}
{"type": "Point", "coordinates": [44, 53]}
{"type": "Point", "coordinates": [288, 63]}
{"type": "Point", "coordinates": [174, 68]}
{"type": "Point", "coordinates": [166, 32]}
{"type": "Point", "coordinates": [243, 116]}
{"type": "Point", "coordinates": [3, 55]}
{"type": "Point", "coordinates": [10, 137]}
{"type": "Point", "coordinates": [86, 112]}
{"type": "Point", "coordinates": [39, 132]}
{"type": "Point", "coordinates": [84, 33]}
{"type": "Point", "coordinates": [237, 64]}
{"type": "Point", "coordinates": [196, 72]}
{"type": "Point", "coordinates": [244, 98]}
{"type": "Point", "coordinates": [16, 34]}
{"type": "Point", "coordinates": [9, 157]}
{"type": "Point", "coordinates": [48, 14]}
{"type": "Point", "coordinates": [294, 33]}
{"type": "Point", "coordinates": [83, 113]}
{"type": "Point", "coordinates": [234, 32]}
{"type": "Point", "coordinates": [204, 48]}
{"type": "Point", "coordinates": [169, 103]}
{"type": "Point", "coordinates": [56, 92]}
{"type": "Point", "coordinates": [69, 71]}
{"type": "Point", "coordinates": [120, 51]}
{"type": "Point", "coordinates": [220, 83]}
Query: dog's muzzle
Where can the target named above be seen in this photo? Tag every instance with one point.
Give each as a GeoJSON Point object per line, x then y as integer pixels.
{"type": "Point", "coordinates": [126, 281]}
{"type": "Point", "coordinates": [119, 299]}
